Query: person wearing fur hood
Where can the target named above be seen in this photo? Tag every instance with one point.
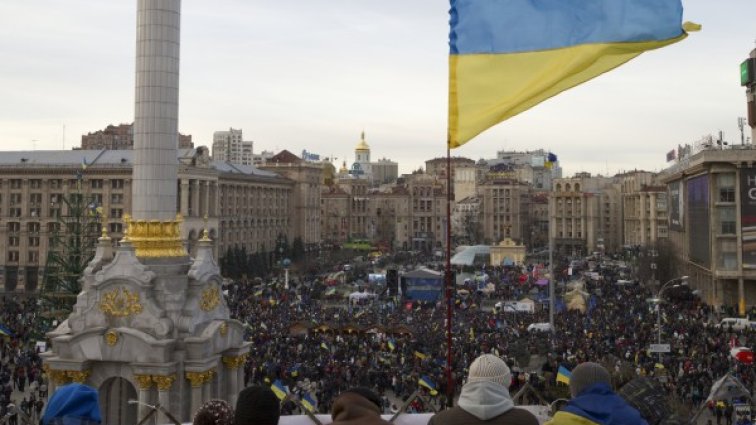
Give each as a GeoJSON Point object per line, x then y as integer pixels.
{"type": "Point", "coordinates": [485, 398]}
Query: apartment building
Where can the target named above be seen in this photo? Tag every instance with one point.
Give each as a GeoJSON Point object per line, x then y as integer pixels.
{"type": "Point", "coordinates": [244, 206]}
{"type": "Point", "coordinates": [119, 137]}
{"type": "Point", "coordinates": [712, 214]}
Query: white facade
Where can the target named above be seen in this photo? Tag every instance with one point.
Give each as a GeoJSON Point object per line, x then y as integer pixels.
{"type": "Point", "coordinates": [230, 146]}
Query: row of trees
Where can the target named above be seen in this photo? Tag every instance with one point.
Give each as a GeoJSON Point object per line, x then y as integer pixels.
{"type": "Point", "coordinates": [237, 262]}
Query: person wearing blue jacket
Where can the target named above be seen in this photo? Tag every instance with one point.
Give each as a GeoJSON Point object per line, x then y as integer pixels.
{"type": "Point", "coordinates": [73, 404]}
{"type": "Point", "coordinates": [594, 402]}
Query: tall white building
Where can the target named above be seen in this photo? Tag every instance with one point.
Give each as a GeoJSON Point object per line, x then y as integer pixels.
{"type": "Point", "coordinates": [230, 146]}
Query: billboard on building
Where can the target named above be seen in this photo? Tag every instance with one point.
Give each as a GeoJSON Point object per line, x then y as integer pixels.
{"type": "Point", "coordinates": [699, 247]}
{"type": "Point", "coordinates": [748, 216]}
{"type": "Point", "coordinates": [675, 206]}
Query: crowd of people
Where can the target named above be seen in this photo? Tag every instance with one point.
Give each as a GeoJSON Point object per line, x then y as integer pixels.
{"type": "Point", "coordinates": [616, 329]}
{"type": "Point", "coordinates": [319, 347]}
{"type": "Point", "coordinates": [20, 363]}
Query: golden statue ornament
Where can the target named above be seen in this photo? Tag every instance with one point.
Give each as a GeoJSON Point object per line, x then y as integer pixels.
{"type": "Point", "coordinates": [120, 302]}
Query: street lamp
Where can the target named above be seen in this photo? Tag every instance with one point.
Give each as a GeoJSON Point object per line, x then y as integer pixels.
{"type": "Point", "coordinates": [674, 283]}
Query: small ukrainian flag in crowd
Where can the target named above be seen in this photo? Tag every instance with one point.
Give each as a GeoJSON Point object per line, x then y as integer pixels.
{"type": "Point", "coordinates": [279, 389]}
{"type": "Point", "coordinates": [4, 331]}
{"type": "Point", "coordinates": [294, 370]}
{"type": "Point", "coordinates": [310, 402]}
{"type": "Point", "coordinates": [563, 375]}
{"type": "Point", "coordinates": [392, 345]}
{"type": "Point", "coordinates": [426, 382]}
{"type": "Point", "coordinates": [420, 355]}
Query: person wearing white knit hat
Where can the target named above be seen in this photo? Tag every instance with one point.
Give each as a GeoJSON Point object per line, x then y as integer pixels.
{"type": "Point", "coordinates": [485, 397]}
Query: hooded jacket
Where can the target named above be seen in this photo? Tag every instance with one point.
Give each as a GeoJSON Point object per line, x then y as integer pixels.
{"type": "Point", "coordinates": [354, 409]}
{"type": "Point", "coordinates": [597, 405]}
{"type": "Point", "coordinates": [484, 402]}
{"type": "Point", "coordinates": [73, 404]}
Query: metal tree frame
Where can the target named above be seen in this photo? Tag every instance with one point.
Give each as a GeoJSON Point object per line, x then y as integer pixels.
{"type": "Point", "coordinates": [72, 247]}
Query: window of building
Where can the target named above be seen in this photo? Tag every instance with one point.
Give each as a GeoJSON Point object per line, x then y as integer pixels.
{"type": "Point", "coordinates": [116, 212]}
{"type": "Point", "coordinates": [33, 240]}
{"type": "Point", "coordinates": [96, 183]}
{"type": "Point", "coordinates": [33, 227]}
{"type": "Point", "coordinates": [56, 183]}
{"type": "Point", "coordinates": [728, 255]}
{"type": "Point", "coordinates": [15, 183]}
{"type": "Point", "coordinates": [116, 183]}
{"type": "Point", "coordinates": [33, 257]}
{"type": "Point", "coordinates": [15, 198]}
{"type": "Point", "coordinates": [115, 228]}
{"type": "Point", "coordinates": [727, 220]}
{"type": "Point", "coordinates": [35, 183]}
{"type": "Point", "coordinates": [726, 185]}
{"type": "Point", "coordinates": [13, 256]}
{"type": "Point", "coordinates": [14, 212]}
{"type": "Point", "coordinates": [13, 240]}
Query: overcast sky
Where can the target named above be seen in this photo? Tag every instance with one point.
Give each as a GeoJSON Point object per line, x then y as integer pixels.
{"type": "Point", "coordinates": [313, 74]}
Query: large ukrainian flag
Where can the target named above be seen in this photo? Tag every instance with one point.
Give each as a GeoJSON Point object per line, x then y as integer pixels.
{"type": "Point", "coordinates": [506, 56]}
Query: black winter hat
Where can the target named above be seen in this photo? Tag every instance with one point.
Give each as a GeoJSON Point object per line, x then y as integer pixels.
{"type": "Point", "coordinates": [257, 405]}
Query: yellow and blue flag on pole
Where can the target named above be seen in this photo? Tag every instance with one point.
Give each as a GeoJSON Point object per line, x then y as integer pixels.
{"type": "Point", "coordinates": [279, 389]}
{"type": "Point", "coordinates": [563, 375]}
{"type": "Point", "coordinates": [426, 382]}
{"type": "Point", "coordinates": [310, 402]}
{"type": "Point", "coordinates": [506, 56]}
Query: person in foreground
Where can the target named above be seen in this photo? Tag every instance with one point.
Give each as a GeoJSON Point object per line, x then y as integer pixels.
{"type": "Point", "coordinates": [594, 402]}
{"type": "Point", "coordinates": [485, 398]}
{"type": "Point", "coordinates": [73, 404]}
{"type": "Point", "coordinates": [257, 405]}
{"type": "Point", "coordinates": [358, 406]}
{"type": "Point", "coordinates": [214, 412]}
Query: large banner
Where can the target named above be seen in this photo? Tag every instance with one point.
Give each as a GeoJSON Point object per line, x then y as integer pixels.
{"type": "Point", "coordinates": [675, 206]}
{"type": "Point", "coordinates": [698, 220]}
{"type": "Point", "coordinates": [748, 216]}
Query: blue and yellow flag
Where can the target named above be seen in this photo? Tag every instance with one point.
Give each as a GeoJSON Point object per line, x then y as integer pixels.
{"type": "Point", "coordinates": [294, 370]}
{"type": "Point", "coordinates": [310, 402]}
{"type": "Point", "coordinates": [421, 356]}
{"type": "Point", "coordinates": [426, 382]}
{"type": "Point", "coordinates": [563, 375]}
{"type": "Point", "coordinates": [391, 344]}
{"type": "Point", "coordinates": [4, 331]}
{"type": "Point", "coordinates": [279, 389]}
{"type": "Point", "coordinates": [506, 56]}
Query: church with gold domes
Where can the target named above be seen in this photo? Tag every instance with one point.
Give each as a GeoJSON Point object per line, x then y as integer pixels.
{"type": "Point", "coordinates": [377, 173]}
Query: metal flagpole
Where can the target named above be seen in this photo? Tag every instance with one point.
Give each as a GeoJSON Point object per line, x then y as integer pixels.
{"type": "Point", "coordinates": [551, 268]}
{"type": "Point", "coordinates": [448, 275]}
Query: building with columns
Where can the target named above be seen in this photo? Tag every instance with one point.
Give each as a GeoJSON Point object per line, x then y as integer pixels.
{"type": "Point", "coordinates": [585, 214]}
{"type": "Point", "coordinates": [245, 206]}
{"type": "Point", "coordinates": [644, 209]}
{"type": "Point", "coordinates": [304, 201]}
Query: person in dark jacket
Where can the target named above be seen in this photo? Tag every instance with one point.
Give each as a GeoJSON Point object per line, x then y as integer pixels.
{"type": "Point", "coordinates": [593, 401]}
{"type": "Point", "coordinates": [358, 406]}
{"type": "Point", "coordinates": [485, 398]}
{"type": "Point", "coordinates": [257, 405]}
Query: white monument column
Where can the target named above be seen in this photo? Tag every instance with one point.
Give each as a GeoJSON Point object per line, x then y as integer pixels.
{"type": "Point", "coordinates": [156, 110]}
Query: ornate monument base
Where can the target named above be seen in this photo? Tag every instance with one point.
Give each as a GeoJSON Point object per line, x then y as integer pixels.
{"type": "Point", "coordinates": [150, 325]}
